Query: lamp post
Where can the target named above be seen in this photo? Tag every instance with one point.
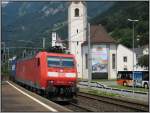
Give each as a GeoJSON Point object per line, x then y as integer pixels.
{"type": "Point", "coordinates": [133, 22]}
{"type": "Point", "coordinates": [89, 57]}
{"type": "Point", "coordinates": [138, 39]}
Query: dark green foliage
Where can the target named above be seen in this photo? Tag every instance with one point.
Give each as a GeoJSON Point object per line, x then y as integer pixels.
{"type": "Point", "coordinates": [115, 22]}
{"type": "Point", "coordinates": [144, 61]}
{"type": "Point", "coordinates": [125, 34]}
{"type": "Point", "coordinates": [4, 70]}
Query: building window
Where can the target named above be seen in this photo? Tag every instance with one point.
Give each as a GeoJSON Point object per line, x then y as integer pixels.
{"type": "Point", "coordinates": [77, 31]}
{"type": "Point", "coordinates": [125, 69]}
{"type": "Point", "coordinates": [86, 60]}
{"type": "Point", "coordinates": [76, 12]}
{"type": "Point", "coordinates": [125, 59]}
{"type": "Point", "coordinates": [113, 61]}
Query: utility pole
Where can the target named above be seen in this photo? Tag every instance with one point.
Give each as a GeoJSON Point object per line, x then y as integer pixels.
{"type": "Point", "coordinates": [4, 50]}
{"type": "Point", "coordinates": [133, 58]}
{"type": "Point", "coordinates": [89, 56]}
{"type": "Point", "coordinates": [43, 43]}
{"type": "Point", "coordinates": [133, 22]}
{"type": "Point", "coordinates": [24, 53]}
{"type": "Point", "coordinates": [8, 57]}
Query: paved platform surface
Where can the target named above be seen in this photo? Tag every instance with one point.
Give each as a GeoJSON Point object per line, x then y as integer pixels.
{"type": "Point", "coordinates": [14, 101]}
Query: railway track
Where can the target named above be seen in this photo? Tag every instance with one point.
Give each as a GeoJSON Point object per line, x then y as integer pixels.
{"type": "Point", "coordinates": [77, 108]}
{"type": "Point", "coordinates": [101, 103]}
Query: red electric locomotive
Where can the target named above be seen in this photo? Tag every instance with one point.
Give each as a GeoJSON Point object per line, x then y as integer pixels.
{"type": "Point", "coordinates": [50, 73]}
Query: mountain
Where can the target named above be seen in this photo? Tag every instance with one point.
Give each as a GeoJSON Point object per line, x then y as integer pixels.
{"type": "Point", "coordinates": [32, 21]}
{"type": "Point", "coordinates": [115, 22]}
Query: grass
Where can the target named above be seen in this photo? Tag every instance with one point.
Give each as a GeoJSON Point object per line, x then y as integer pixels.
{"type": "Point", "coordinates": [103, 80]}
{"type": "Point", "coordinates": [106, 94]}
{"type": "Point", "coordinates": [98, 93]}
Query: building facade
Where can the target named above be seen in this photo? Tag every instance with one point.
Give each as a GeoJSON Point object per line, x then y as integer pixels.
{"type": "Point", "coordinates": [125, 59]}
{"type": "Point", "coordinates": [103, 53]}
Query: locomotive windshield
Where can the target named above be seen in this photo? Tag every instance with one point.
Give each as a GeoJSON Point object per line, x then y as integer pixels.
{"type": "Point", "coordinates": [60, 62]}
{"type": "Point", "coordinates": [53, 61]}
{"type": "Point", "coordinates": [67, 62]}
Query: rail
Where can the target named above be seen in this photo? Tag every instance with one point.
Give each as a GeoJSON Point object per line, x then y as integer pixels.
{"type": "Point", "coordinates": [135, 106]}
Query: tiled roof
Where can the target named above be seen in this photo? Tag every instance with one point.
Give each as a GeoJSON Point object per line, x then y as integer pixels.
{"type": "Point", "coordinates": [99, 35]}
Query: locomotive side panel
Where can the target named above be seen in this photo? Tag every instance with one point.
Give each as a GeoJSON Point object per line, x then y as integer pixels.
{"type": "Point", "coordinates": [26, 72]}
{"type": "Point", "coordinates": [42, 70]}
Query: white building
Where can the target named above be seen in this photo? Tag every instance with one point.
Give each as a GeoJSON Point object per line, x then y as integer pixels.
{"type": "Point", "coordinates": [125, 59]}
{"type": "Point", "coordinates": [56, 40]}
{"type": "Point", "coordinates": [54, 36]}
{"type": "Point", "coordinates": [107, 56]}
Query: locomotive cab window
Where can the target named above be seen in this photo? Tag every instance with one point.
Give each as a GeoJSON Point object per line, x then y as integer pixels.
{"type": "Point", "coordinates": [53, 61]}
{"type": "Point", "coordinates": [67, 62]}
{"type": "Point", "coordinates": [60, 62]}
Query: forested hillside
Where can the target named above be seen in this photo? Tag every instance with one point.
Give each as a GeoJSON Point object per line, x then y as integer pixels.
{"type": "Point", "coordinates": [115, 22]}
{"type": "Point", "coordinates": [32, 21]}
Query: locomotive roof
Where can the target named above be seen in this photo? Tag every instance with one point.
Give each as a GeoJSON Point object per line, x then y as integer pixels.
{"type": "Point", "coordinates": [46, 53]}
{"type": "Point", "coordinates": [55, 54]}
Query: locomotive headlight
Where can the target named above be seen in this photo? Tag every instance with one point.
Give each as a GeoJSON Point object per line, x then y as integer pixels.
{"type": "Point", "coordinates": [52, 74]}
{"type": "Point", "coordinates": [51, 81]}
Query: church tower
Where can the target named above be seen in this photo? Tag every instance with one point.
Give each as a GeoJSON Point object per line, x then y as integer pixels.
{"type": "Point", "coordinates": [77, 22]}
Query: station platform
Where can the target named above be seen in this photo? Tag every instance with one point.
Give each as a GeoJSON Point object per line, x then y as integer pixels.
{"type": "Point", "coordinates": [17, 99]}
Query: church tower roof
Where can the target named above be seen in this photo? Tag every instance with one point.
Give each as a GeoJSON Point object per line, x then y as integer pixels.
{"type": "Point", "coordinates": [77, 1]}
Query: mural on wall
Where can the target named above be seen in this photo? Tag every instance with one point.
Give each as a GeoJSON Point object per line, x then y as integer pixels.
{"type": "Point", "coordinates": [99, 59]}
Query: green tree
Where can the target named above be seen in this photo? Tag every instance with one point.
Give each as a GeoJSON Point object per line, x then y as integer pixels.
{"type": "Point", "coordinates": [144, 61]}
{"type": "Point", "coordinates": [123, 36]}
{"type": "Point", "coordinates": [115, 22]}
